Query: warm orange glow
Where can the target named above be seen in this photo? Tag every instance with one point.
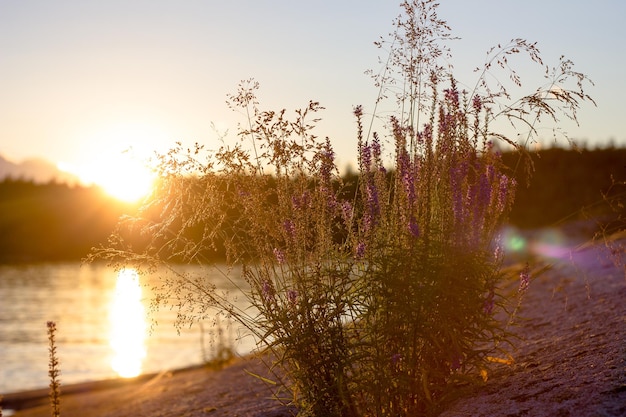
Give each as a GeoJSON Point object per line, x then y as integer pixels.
{"type": "Point", "coordinates": [124, 179]}
{"type": "Point", "coordinates": [122, 174]}
{"type": "Point", "coordinates": [128, 325]}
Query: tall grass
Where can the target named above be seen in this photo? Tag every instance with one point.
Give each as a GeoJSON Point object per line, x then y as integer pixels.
{"type": "Point", "coordinates": [375, 302]}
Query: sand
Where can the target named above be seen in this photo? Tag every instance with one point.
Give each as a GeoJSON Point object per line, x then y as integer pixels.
{"type": "Point", "coordinates": [191, 392]}
{"type": "Point", "coordinates": [570, 361]}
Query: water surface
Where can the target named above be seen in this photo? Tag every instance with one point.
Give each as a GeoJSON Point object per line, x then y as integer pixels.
{"type": "Point", "coordinates": [104, 321]}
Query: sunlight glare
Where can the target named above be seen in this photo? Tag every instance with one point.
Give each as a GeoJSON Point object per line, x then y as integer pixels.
{"type": "Point", "coordinates": [121, 176]}
{"type": "Point", "coordinates": [126, 180]}
{"type": "Point", "coordinates": [117, 159]}
{"type": "Point", "coordinates": [128, 325]}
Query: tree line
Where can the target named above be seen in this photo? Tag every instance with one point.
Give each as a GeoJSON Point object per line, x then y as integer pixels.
{"type": "Point", "coordinates": [569, 185]}
{"type": "Point", "coordinates": [59, 222]}
{"type": "Point", "coordinates": [53, 221]}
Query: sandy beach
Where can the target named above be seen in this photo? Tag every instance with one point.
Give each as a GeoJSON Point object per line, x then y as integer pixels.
{"type": "Point", "coordinates": [570, 361]}
{"type": "Point", "coordinates": [197, 391]}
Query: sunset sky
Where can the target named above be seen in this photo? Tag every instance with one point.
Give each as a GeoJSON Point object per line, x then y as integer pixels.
{"type": "Point", "coordinates": [81, 81]}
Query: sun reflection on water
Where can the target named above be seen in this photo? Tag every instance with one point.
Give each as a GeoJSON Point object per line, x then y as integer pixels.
{"type": "Point", "coordinates": [127, 318]}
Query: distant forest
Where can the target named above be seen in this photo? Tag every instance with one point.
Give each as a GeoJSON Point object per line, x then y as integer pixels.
{"type": "Point", "coordinates": [53, 221]}
{"type": "Point", "coordinates": [57, 222]}
{"type": "Point", "coordinates": [569, 185]}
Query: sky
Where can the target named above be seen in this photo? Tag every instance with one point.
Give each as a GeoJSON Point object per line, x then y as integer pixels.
{"type": "Point", "coordinates": [82, 81]}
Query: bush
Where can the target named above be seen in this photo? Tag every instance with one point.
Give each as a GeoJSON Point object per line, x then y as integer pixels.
{"type": "Point", "coordinates": [377, 302]}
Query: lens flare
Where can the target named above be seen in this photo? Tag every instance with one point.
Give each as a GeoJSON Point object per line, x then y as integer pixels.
{"type": "Point", "coordinates": [547, 243]}
{"type": "Point", "coordinates": [551, 244]}
{"type": "Point", "coordinates": [128, 325]}
{"type": "Point", "coordinates": [513, 241]}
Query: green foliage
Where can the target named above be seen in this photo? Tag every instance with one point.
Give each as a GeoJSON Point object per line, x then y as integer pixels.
{"type": "Point", "coordinates": [376, 301]}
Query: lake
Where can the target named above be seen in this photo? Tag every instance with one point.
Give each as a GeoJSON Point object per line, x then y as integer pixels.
{"type": "Point", "coordinates": [105, 326]}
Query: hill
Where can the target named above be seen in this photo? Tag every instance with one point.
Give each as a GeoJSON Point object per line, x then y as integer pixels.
{"type": "Point", "coordinates": [37, 170]}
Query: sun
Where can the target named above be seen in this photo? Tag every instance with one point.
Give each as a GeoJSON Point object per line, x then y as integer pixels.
{"type": "Point", "coordinates": [124, 179]}
{"type": "Point", "coordinates": [123, 173]}
{"type": "Point", "coordinates": [118, 156]}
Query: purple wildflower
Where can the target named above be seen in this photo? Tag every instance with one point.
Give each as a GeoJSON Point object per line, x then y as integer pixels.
{"type": "Point", "coordinates": [280, 255]}
{"type": "Point", "coordinates": [289, 228]}
{"type": "Point", "coordinates": [524, 278]}
{"type": "Point", "coordinates": [451, 96]}
{"type": "Point", "coordinates": [497, 253]}
{"type": "Point", "coordinates": [446, 121]}
{"type": "Point", "coordinates": [483, 197]}
{"type": "Point", "coordinates": [360, 250]}
{"type": "Point", "coordinates": [426, 137]}
{"type": "Point", "coordinates": [373, 208]}
{"type": "Point", "coordinates": [267, 291]}
{"type": "Point", "coordinates": [505, 192]}
{"type": "Point", "coordinates": [327, 157]}
{"type": "Point", "coordinates": [292, 296]}
{"type": "Point", "coordinates": [346, 211]}
{"type": "Point", "coordinates": [398, 133]}
{"type": "Point", "coordinates": [408, 179]}
{"type": "Point", "coordinates": [413, 227]}
{"type": "Point", "coordinates": [477, 103]}
{"type": "Point", "coordinates": [376, 150]}
{"type": "Point", "coordinates": [331, 199]}
{"type": "Point", "coordinates": [457, 179]}
{"type": "Point", "coordinates": [301, 202]}
{"type": "Point", "coordinates": [366, 157]}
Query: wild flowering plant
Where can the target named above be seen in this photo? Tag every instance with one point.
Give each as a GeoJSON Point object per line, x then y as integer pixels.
{"type": "Point", "coordinates": [378, 295]}
{"type": "Point", "coordinates": [53, 371]}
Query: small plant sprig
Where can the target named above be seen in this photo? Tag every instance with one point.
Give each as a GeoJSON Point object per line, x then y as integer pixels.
{"type": "Point", "coordinates": [54, 371]}
{"type": "Point", "coordinates": [221, 351]}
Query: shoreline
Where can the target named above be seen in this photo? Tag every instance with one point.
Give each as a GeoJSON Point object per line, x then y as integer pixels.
{"type": "Point", "coordinates": [195, 391]}
{"type": "Point", "coordinates": [20, 400]}
{"type": "Point", "coordinates": [570, 361]}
